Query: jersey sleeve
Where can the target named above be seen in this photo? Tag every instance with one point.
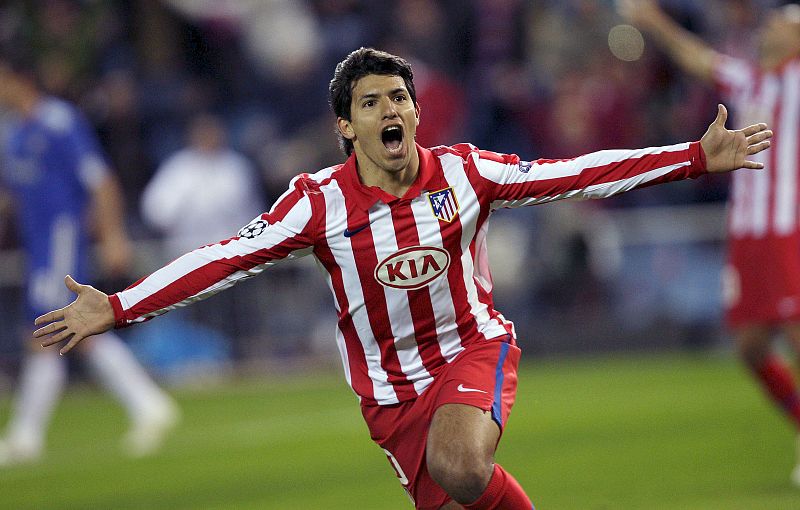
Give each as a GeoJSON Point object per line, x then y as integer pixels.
{"type": "Point", "coordinates": [732, 76]}
{"type": "Point", "coordinates": [511, 182]}
{"type": "Point", "coordinates": [286, 232]}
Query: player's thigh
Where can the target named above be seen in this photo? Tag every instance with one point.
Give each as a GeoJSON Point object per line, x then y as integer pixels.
{"type": "Point", "coordinates": [461, 436]}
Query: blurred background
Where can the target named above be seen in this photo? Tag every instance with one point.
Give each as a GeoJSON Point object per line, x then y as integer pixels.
{"type": "Point", "coordinates": [547, 79]}
{"type": "Point", "coordinates": [607, 296]}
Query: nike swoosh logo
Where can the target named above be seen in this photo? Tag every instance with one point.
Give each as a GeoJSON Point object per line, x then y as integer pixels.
{"type": "Point", "coordinates": [462, 389]}
{"type": "Point", "coordinates": [351, 233]}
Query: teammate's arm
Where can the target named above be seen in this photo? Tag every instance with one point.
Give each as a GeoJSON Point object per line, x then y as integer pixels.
{"type": "Point", "coordinates": [685, 48]}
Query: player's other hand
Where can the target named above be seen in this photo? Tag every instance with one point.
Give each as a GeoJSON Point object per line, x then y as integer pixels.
{"type": "Point", "coordinates": [728, 150]}
{"type": "Point", "coordinates": [89, 314]}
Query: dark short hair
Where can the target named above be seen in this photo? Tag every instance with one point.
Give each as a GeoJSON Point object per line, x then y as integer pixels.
{"type": "Point", "coordinates": [360, 63]}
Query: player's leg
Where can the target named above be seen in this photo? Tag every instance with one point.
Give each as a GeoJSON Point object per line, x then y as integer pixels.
{"type": "Point", "coordinates": [152, 412]}
{"type": "Point", "coordinates": [460, 450]}
{"type": "Point", "coordinates": [41, 381]}
{"type": "Point", "coordinates": [754, 343]}
{"type": "Point", "coordinates": [460, 457]}
{"type": "Point", "coordinates": [792, 332]}
{"type": "Point", "coordinates": [475, 400]}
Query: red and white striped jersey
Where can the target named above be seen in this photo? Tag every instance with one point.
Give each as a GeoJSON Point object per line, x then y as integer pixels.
{"type": "Point", "coordinates": [409, 276]}
{"type": "Point", "coordinates": [765, 203]}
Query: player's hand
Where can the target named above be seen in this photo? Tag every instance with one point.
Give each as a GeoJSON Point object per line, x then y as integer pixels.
{"type": "Point", "coordinates": [728, 150]}
{"type": "Point", "coordinates": [89, 314]}
{"type": "Point", "coordinates": [638, 12]}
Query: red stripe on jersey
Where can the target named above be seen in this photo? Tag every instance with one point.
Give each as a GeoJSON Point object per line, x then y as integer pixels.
{"type": "Point", "coordinates": [366, 259]}
{"type": "Point", "coordinates": [356, 358]}
{"type": "Point", "coordinates": [419, 300]}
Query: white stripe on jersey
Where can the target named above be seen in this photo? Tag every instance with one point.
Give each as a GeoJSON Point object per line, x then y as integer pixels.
{"type": "Point", "coordinates": [786, 153]}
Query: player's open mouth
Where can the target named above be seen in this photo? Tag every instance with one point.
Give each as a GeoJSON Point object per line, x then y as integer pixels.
{"type": "Point", "coordinates": [392, 138]}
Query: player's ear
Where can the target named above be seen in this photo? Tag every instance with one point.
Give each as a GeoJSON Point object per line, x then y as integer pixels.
{"type": "Point", "coordinates": [345, 128]}
{"type": "Point", "coordinates": [416, 112]}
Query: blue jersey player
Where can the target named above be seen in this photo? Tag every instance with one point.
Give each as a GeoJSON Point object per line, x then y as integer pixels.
{"type": "Point", "coordinates": [64, 197]}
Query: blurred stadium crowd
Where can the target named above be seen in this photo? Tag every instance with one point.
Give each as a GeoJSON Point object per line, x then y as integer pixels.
{"type": "Point", "coordinates": [540, 78]}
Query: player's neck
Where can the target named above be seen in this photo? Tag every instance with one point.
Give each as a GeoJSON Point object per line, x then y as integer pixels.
{"type": "Point", "coordinates": [394, 182]}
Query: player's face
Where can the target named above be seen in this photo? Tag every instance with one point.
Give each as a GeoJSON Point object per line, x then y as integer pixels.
{"type": "Point", "coordinates": [383, 123]}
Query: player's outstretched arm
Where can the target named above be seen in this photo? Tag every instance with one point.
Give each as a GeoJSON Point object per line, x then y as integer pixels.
{"type": "Point", "coordinates": [685, 48]}
{"type": "Point", "coordinates": [728, 150]}
{"type": "Point", "coordinates": [88, 315]}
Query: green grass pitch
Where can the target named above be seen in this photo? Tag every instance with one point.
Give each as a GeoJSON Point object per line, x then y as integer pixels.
{"type": "Point", "coordinates": [638, 432]}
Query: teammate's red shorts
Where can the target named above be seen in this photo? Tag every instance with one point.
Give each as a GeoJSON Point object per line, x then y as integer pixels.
{"type": "Point", "coordinates": [484, 375]}
{"type": "Point", "coordinates": [761, 283]}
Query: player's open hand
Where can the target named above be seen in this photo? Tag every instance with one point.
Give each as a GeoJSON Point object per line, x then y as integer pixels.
{"type": "Point", "coordinates": [728, 150]}
{"type": "Point", "coordinates": [89, 314]}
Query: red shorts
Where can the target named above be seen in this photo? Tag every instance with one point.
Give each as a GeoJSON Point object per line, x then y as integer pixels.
{"type": "Point", "coordinates": [761, 283]}
{"type": "Point", "coordinates": [484, 375]}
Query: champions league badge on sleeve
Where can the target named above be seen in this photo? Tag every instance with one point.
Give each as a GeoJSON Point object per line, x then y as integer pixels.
{"type": "Point", "coordinates": [253, 229]}
{"type": "Point", "coordinates": [444, 204]}
{"type": "Point", "coordinates": [525, 166]}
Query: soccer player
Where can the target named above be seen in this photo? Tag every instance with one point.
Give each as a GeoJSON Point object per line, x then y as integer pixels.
{"type": "Point", "coordinates": [54, 170]}
{"type": "Point", "coordinates": [762, 276]}
{"type": "Point", "coordinates": [400, 231]}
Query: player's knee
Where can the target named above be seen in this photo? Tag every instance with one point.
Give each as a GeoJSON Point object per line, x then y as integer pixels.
{"type": "Point", "coordinates": [463, 475]}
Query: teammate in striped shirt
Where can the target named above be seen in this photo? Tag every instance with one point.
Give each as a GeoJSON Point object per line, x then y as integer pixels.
{"type": "Point", "coordinates": [762, 276]}
{"type": "Point", "coordinates": [400, 232]}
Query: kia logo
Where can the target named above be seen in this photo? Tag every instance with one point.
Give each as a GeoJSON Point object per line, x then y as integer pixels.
{"type": "Point", "coordinates": [413, 267]}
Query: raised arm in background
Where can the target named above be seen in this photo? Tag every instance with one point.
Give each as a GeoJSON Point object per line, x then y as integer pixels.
{"type": "Point", "coordinates": [685, 48]}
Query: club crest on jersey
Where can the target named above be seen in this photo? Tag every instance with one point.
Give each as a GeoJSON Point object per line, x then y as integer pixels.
{"type": "Point", "coordinates": [444, 204]}
{"type": "Point", "coordinates": [413, 267]}
{"type": "Point", "coordinates": [253, 229]}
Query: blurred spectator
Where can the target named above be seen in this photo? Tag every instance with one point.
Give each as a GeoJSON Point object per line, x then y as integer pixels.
{"type": "Point", "coordinates": [202, 194]}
